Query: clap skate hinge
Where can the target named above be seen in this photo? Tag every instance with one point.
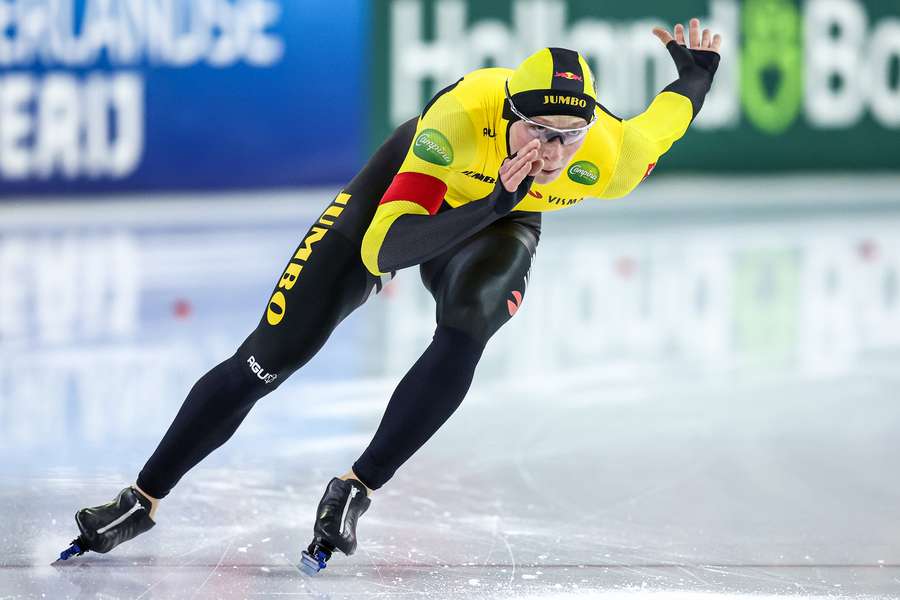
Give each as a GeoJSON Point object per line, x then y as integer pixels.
{"type": "Point", "coordinates": [76, 548]}
{"type": "Point", "coordinates": [314, 558]}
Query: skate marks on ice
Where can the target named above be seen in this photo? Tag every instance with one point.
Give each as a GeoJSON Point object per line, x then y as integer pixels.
{"type": "Point", "coordinates": [224, 580]}
{"type": "Point", "coordinates": [683, 492]}
{"type": "Point", "coordinates": [240, 541]}
{"type": "Point", "coordinates": [228, 540]}
{"type": "Point", "coordinates": [729, 487]}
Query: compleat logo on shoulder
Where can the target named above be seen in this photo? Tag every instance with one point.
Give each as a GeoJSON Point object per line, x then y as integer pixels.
{"type": "Point", "coordinates": [584, 172]}
{"type": "Point", "coordinates": [432, 146]}
{"type": "Point", "coordinates": [568, 75]}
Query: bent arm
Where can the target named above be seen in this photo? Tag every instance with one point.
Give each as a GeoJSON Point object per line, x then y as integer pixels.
{"type": "Point", "coordinates": [409, 232]}
{"type": "Point", "coordinates": [399, 237]}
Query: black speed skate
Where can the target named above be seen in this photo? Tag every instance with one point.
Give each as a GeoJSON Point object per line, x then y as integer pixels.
{"type": "Point", "coordinates": [335, 528]}
{"type": "Point", "coordinates": [105, 527]}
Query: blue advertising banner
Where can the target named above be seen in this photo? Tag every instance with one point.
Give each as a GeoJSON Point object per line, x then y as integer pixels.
{"type": "Point", "coordinates": [116, 95]}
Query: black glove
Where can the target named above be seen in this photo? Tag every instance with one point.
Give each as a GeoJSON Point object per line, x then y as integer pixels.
{"type": "Point", "coordinates": [503, 200]}
{"type": "Point", "coordinates": [685, 59]}
{"type": "Point", "coordinates": [696, 69]}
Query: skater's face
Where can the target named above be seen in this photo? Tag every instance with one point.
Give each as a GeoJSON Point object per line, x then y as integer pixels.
{"type": "Point", "coordinates": [554, 153]}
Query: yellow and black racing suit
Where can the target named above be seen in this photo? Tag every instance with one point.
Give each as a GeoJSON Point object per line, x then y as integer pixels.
{"type": "Point", "coordinates": [429, 196]}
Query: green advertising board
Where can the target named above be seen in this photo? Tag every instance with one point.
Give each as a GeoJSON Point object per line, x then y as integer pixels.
{"type": "Point", "coordinates": [803, 85]}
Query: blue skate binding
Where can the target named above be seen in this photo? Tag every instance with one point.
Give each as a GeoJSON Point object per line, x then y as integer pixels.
{"type": "Point", "coordinates": [335, 528]}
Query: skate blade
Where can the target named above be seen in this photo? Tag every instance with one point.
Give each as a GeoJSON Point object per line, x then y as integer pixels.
{"type": "Point", "coordinates": [309, 564]}
{"type": "Point", "coordinates": [65, 555]}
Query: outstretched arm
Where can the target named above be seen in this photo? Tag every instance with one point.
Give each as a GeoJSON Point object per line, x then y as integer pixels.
{"type": "Point", "coordinates": [696, 65]}
{"type": "Point", "coordinates": [649, 135]}
{"type": "Point", "coordinates": [673, 110]}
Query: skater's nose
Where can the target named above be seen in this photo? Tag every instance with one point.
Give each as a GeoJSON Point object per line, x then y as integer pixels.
{"type": "Point", "coordinates": [552, 151]}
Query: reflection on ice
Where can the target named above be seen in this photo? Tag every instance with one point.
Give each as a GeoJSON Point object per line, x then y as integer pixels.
{"type": "Point", "coordinates": [681, 410]}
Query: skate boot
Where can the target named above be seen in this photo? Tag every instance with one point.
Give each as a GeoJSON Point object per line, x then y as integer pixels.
{"type": "Point", "coordinates": [335, 528]}
{"type": "Point", "coordinates": [105, 527]}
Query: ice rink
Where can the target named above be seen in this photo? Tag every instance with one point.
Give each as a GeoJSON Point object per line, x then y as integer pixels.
{"type": "Point", "coordinates": [697, 400]}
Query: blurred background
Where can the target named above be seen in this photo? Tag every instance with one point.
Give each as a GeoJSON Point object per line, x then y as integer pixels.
{"type": "Point", "coordinates": [160, 160]}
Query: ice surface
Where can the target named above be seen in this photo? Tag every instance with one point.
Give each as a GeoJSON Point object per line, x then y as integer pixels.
{"type": "Point", "coordinates": [743, 449]}
{"type": "Point", "coordinates": [777, 487]}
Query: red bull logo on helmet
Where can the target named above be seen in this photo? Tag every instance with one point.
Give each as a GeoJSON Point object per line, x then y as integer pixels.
{"type": "Point", "coordinates": [568, 75]}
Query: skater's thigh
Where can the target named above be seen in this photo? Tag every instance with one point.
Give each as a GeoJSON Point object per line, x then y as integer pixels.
{"type": "Point", "coordinates": [479, 284]}
{"type": "Point", "coordinates": [323, 282]}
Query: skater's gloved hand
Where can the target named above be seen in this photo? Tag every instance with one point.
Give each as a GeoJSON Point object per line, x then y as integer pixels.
{"type": "Point", "coordinates": [702, 56]}
{"type": "Point", "coordinates": [516, 176]}
{"type": "Point", "coordinates": [696, 63]}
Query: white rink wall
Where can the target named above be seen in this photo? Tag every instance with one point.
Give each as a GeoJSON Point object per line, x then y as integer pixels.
{"type": "Point", "coordinates": [111, 310]}
{"type": "Point", "coordinates": [698, 277]}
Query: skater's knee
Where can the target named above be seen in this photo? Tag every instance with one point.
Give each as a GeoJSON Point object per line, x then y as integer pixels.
{"type": "Point", "coordinates": [237, 382]}
{"type": "Point", "coordinates": [471, 319]}
{"type": "Point", "coordinates": [478, 315]}
{"type": "Point", "coordinates": [258, 374]}
{"type": "Point", "coordinates": [478, 302]}
{"type": "Point", "coordinates": [261, 366]}
{"type": "Point", "coordinates": [267, 360]}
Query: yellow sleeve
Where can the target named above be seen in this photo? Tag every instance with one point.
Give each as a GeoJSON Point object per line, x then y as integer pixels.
{"type": "Point", "coordinates": [444, 141]}
{"type": "Point", "coordinates": [645, 138]}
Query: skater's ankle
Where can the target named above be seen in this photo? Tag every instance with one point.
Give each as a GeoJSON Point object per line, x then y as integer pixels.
{"type": "Point", "coordinates": [351, 475]}
{"type": "Point", "coordinates": [154, 502]}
